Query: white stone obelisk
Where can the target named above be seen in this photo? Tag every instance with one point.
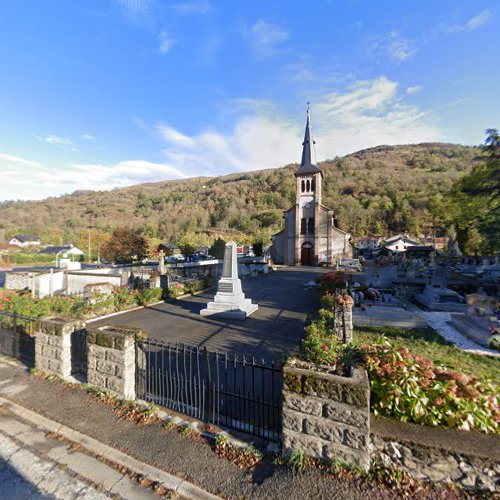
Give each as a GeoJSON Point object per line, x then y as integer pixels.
{"type": "Point", "coordinates": [230, 301]}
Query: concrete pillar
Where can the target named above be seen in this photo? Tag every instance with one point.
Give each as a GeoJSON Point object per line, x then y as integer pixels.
{"type": "Point", "coordinates": [53, 345]}
{"type": "Point", "coordinates": [111, 360]}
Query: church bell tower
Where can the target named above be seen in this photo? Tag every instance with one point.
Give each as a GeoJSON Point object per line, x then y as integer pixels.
{"type": "Point", "coordinates": [307, 203]}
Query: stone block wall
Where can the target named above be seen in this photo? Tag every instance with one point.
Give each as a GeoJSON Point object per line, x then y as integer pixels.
{"type": "Point", "coordinates": [53, 345]}
{"type": "Point", "coordinates": [326, 415]}
{"type": "Point", "coordinates": [111, 360]}
{"type": "Point", "coordinates": [344, 314]}
{"type": "Point", "coordinates": [470, 460]}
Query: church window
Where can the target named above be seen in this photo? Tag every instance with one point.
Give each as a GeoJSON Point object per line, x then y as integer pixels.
{"type": "Point", "coordinates": [303, 186]}
{"type": "Point", "coordinates": [310, 226]}
{"type": "Point", "coordinates": [308, 185]}
{"type": "Point", "coordinates": [313, 185]}
{"type": "Point", "coordinates": [303, 227]}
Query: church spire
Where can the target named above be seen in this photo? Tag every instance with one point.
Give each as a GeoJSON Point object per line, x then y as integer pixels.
{"type": "Point", "coordinates": [307, 165]}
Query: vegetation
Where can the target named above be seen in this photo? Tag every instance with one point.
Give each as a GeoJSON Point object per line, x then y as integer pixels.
{"type": "Point", "coordinates": [125, 246]}
{"type": "Point", "coordinates": [428, 343]}
{"type": "Point", "coordinates": [387, 188]}
{"type": "Point", "coordinates": [415, 376]}
{"type": "Point", "coordinates": [97, 304]}
{"type": "Point", "coordinates": [474, 202]}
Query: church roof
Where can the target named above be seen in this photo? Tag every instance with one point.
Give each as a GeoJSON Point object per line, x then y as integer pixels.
{"type": "Point", "coordinates": [307, 166]}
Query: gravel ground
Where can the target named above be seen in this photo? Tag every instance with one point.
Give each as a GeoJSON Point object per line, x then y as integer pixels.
{"type": "Point", "coordinates": [439, 322]}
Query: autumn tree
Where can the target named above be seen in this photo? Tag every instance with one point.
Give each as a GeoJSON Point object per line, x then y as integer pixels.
{"type": "Point", "coordinates": [125, 246]}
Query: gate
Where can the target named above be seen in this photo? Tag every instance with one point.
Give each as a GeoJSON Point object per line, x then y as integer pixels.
{"type": "Point", "coordinates": [79, 352]}
{"type": "Point", "coordinates": [220, 389]}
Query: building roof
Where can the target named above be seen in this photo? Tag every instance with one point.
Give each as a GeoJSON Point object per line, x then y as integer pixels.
{"type": "Point", "coordinates": [393, 239]}
{"type": "Point", "coordinates": [25, 238]}
{"type": "Point", "coordinates": [307, 166]}
{"type": "Point", "coordinates": [56, 249]}
{"type": "Point", "coordinates": [168, 245]}
{"type": "Point", "coordinates": [420, 248]}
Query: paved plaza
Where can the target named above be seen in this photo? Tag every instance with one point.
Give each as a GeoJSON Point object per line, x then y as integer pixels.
{"type": "Point", "coordinates": [276, 328]}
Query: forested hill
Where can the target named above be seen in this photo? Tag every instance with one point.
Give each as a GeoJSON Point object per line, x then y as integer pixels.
{"type": "Point", "coordinates": [381, 189]}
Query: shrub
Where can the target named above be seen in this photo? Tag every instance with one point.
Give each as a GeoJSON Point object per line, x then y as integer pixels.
{"type": "Point", "coordinates": [333, 282]}
{"type": "Point", "coordinates": [148, 296]}
{"type": "Point", "coordinates": [411, 388]}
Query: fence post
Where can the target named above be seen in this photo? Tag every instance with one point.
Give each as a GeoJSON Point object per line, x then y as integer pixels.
{"type": "Point", "coordinates": [208, 406]}
{"type": "Point", "coordinates": [111, 360]}
{"type": "Point", "coordinates": [53, 345]}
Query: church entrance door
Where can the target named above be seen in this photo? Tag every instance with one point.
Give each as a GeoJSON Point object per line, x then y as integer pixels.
{"type": "Point", "coordinates": [307, 254]}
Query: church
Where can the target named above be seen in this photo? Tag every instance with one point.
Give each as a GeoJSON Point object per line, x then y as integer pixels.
{"type": "Point", "coordinates": [311, 236]}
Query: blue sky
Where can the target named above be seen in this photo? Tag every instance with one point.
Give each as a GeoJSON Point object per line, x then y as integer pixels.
{"type": "Point", "coordinates": [96, 94]}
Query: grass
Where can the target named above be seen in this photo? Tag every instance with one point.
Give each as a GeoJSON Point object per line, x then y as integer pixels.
{"type": "Point", "coordinates": [429, 343]}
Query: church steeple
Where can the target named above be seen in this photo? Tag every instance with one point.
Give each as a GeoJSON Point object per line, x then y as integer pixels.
{"type": "Point", "coordinates": [307, 165]}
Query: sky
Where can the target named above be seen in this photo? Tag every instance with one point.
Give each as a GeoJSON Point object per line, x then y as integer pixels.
{"type": "Point", "coordinates": [99, 94]}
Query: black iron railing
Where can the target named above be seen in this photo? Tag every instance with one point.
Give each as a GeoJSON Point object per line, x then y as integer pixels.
{"type": "Point", "coordinates": [222, 389]}
{"type": "Point", "coordinates": [22, 341]}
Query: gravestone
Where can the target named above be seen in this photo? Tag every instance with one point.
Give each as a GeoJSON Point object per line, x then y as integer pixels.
{"type": "Point", "coordinates": [230, 301]}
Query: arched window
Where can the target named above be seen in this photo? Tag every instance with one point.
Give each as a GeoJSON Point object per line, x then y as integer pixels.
{"type": "Point", "coordinates": [310, 226]}
{"type": "Point", "coordinates": [303, 186]}
{"type": "Point", "coordinates": [303, 227]}
{"type": "Point", "coordinates": [313, 185]}
{"type": "Point", "coordinates": [308, 185]}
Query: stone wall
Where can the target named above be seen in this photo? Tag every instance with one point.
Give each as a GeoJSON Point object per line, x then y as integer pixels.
{"type": "Point", "coordinates": [344, 314]}
{"type": "Point", "coordinates": [53, 345]}
{"type": "Point", "coordinates": [327, 416]}
{"type": "Point", "coordinates": [111, 360]}
{"type": "Point", "coordinates": [467, 459]}
{"type": "Point", "coordinates": [18, 280]}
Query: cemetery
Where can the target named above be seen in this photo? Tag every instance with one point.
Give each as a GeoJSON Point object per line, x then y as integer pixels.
{"type": "Point", "coordinates": [338, 359]}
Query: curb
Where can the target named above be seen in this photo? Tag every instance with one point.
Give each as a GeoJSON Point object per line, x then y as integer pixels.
{"type": "Point", "coordinates": [178, 485]}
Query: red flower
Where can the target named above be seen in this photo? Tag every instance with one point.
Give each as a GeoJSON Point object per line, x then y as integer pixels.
{"type": "Point", "coordinates": [325, 347]}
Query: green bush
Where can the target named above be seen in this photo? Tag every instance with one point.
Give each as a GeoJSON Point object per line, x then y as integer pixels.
{"type": "Point", "coordinates": [412, 389]}
{"type": "Point", "coordinates": [27, 258]}
{"type": "Point", "coordinates": [149, 296]}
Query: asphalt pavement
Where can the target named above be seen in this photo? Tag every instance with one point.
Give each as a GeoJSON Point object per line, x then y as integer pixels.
{"type": "Point", "coordinates": [275, 329]}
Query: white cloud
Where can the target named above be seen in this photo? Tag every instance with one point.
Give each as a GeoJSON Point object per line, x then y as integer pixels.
{"type": "Point", "coordinates": [475, 22]}
{"type": "Point", "coordinates": [25, 179]}
{"type": "Point", "coordinates": [353, 117]}
{"type": "Point", "coordinates": [365, 114]}
{"type": "Point", "coordinates": [166, 42]}
{"type": "Point", "coordinates": [265, 38]}
{"type": "Point", "coordinates": [191, 8]}
{"type": "Point", "coordinates": [394, 45]}
{"type": "Point", "coordinates": [370, 113]}
{"type": "Point", "coordinates": [54, 139]}
{"type": "Point", "coordinates": [89, 137]}
{"type": "Point", "coordinates": [415, 89]}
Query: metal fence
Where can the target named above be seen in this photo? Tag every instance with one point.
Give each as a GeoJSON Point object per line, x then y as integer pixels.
{"type": "Point", "coordinates": [17, 337]}
{"type": "Point", "coordinates": [222, 389]}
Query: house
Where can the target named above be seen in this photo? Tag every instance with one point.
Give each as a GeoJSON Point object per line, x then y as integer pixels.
{"type": "Point", "coordinates": [202, 251]}
{"type": "Point", "coordinates": [400, 243]}
{"type": "Point", "coordinates": [369, 243]}
{"type": "Point", "coordinates": [169, 249]}
{"type": "Point", "coordinates": [311, 236]}
{"type": "Point", "coordinates": [25, 240]}
{"type": "Point", "coordinates": [68, 249]}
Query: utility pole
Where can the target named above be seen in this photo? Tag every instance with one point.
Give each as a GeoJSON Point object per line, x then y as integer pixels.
{"type": "Point", "coordinates": [90, 253]}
